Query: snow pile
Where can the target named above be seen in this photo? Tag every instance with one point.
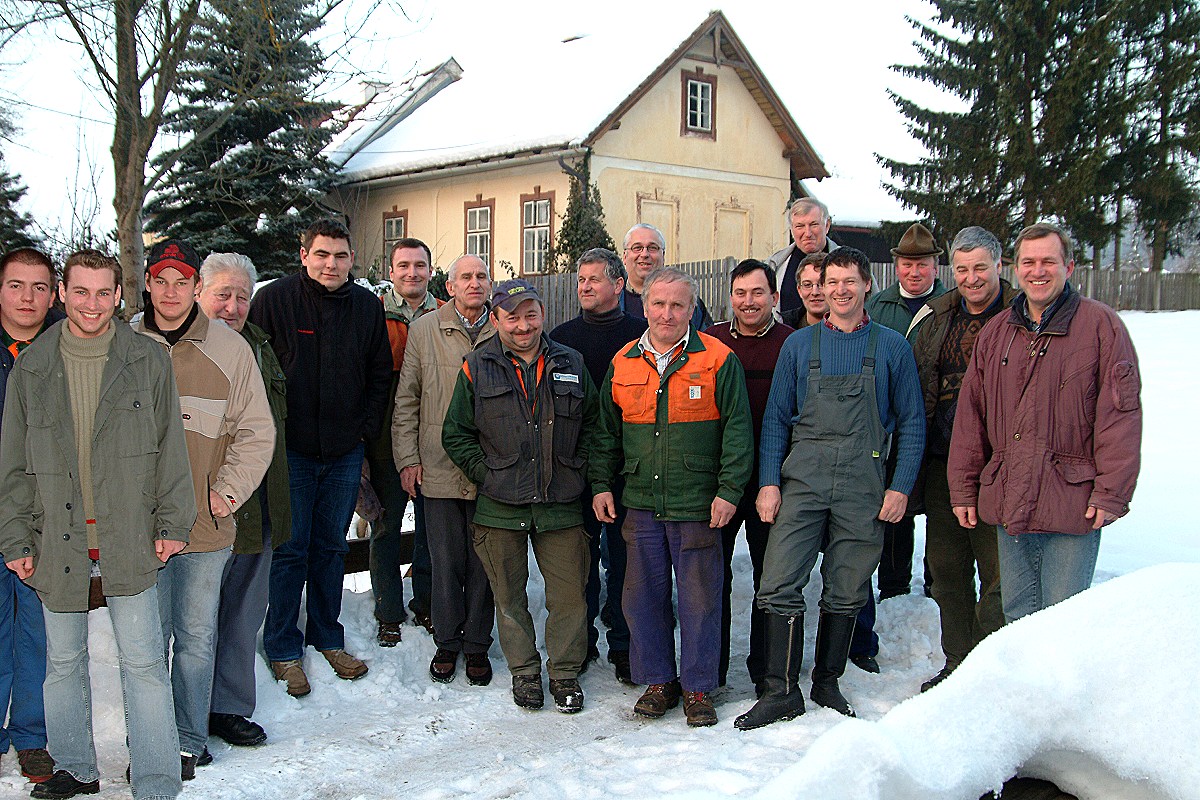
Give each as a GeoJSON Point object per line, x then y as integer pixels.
{"type": "Point", "coordinates": [1090, 694]}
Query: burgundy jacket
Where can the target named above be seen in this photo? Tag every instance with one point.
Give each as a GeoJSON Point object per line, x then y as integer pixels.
{"type": "Point", "coordinates": [1048, 424]}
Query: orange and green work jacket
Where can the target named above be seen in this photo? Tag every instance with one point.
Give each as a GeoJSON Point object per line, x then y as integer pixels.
{"type": "Point", "coordinates": [685, 438]}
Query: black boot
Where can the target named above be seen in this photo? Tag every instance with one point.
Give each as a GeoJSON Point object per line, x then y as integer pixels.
{"type": "Point", "coordinates": [782, 698]}
{"type": "Point", "coordinates": [833, 645]}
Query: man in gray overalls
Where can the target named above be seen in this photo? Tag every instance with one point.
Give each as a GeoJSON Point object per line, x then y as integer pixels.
{"type": "Point", "coordinates": [841, 389]}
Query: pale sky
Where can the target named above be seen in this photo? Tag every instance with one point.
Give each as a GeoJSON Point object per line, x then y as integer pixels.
{"type": "Point", "coordinates": [837, 91]}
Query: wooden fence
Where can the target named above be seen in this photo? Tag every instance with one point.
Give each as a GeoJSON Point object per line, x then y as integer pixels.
{"type": "Point", "coordinates": [1127, 290]}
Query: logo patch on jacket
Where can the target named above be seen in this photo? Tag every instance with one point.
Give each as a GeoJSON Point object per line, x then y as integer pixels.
{"type": "Point", "coordinates": [693, 393]}
{"type": "Point", "coordinates": [565, 377]}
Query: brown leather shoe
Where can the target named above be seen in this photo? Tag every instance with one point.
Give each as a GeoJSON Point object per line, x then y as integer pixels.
{"type": "Point", "coordinates": [345, 666]}
{"type": "Point", "coordinates": [699, 709]}
{"type": "Point", "coordinates": [658, 699]}
{"type": "Point", "coordinates": [293, 673]}
{"type": "Point", "coordinates": [36, 764]}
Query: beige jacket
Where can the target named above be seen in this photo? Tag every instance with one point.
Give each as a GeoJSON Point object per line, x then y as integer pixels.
{"type": "Point", "coordinates": [226, 419]}
{"type": "Point", "coordinates": [433, 357]}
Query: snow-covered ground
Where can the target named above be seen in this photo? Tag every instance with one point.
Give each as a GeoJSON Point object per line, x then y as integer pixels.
{"type": "Point", "coordinates": [1095, 694]}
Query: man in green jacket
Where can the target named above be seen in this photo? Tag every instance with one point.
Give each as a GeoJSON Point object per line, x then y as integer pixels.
{"type": "Point", "coordinates": [264, 521]}
{"type": "Point", "coordinates": [916, 259]}
{"type": "Point", "coordinates": [94, 481]}
{"type": "Point", "coordinates": [674, 412]}
{"type": "Point", "coordinates": [520, 426]}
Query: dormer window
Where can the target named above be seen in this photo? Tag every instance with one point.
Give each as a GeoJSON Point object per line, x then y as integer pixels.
{"type": "Point", "coordinates": [699, 104]}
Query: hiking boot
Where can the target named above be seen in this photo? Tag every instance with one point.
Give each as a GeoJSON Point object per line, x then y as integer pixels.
{"type": "Point", "coordinates": [442, 667]}
{"type": "Point", "coordinates": [187, 766]}
{"type": "Point", "coordinates": [205, 758]}
{"type": "Point", "coordinates": [345, 666]}
{"type": "Point", "coordinates": [699, 709]}
{"type": "Point", "coordinates": [479, 669]}
{"type": "Point", "coordinates": [293, 673]}
{"type": "Point", "coordinates": [420, 616]}
{"type": "Point", "coordinates": [62, 785]}
{"type": "Point", "coordinates": [620, 661]}
{"type": "Point", "coordinates": [236, 730]}
{"type": "Point", "coordinates": [568, 695]}
{"type": "Point", "coordinates": [658, 699]}
{"type": "Point", "coordinates": [36, 764]}
{"type": "Point", "coordinates": [388, 634]}
{"type": "Point", "coordinates": [936, 679]}
{"type": "Point", "coordinates": [527, 691]}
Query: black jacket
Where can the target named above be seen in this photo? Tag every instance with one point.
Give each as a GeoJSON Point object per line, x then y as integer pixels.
{"type": "Point", "coordinates": [333, 348]}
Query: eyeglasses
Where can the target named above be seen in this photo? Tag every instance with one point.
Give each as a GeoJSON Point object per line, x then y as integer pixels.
{"type": "Point", "coordinates": [808, 286]}
{"type": "Point", "coordinates": [638, 249]}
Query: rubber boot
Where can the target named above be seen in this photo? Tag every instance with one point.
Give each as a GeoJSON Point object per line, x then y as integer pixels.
{"type": "Point", "coordinates": [834, 632]}
{"type": "Point", "coordinates": [782, 698]}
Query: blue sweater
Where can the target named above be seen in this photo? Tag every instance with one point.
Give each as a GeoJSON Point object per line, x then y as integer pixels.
{"type": "Point", "coordinates": [897, 390]}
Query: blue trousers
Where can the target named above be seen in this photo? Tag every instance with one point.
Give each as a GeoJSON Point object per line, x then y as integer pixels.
{"type": "Point", "coordinates": [22, 665]}
{"type": "Point", "coordinates": [323, 493]}
{"type": "Point", "coordinates": [694, 552]}
{"type": "Point", "coordinates": [1038, 570]}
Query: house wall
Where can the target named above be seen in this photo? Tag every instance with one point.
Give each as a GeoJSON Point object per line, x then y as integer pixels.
{"type": "Point", "coordinates": [712, 197]}
{"type": "Point", "coordinates": [436, 212]}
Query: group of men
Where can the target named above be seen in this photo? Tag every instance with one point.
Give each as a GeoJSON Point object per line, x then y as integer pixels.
{"type": "Point", "coordinates": [633, 442]}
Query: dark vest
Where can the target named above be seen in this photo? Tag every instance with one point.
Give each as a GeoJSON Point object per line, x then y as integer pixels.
{"type": "Point", "coordinates": [529, 460]}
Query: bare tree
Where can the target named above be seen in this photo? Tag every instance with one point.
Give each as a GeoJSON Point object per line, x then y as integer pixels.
{"type": "Point", "coordinates": [134, 49]}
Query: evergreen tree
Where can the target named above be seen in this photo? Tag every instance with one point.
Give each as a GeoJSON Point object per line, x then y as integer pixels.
{"type": "Point", "coordinates": [16, 229]}
{"type": "Point", "coordinates": [255, 183]}
{"type": "Point", "coordinates": [582, 223]}
{"type": "Point", "coordinates": [1164, 36]}
{"type": "Point", "coordinates": [1021, 70]}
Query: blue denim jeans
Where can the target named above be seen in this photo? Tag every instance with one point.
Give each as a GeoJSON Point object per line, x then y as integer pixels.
{"type": "Point", "coordinates": [1038, 570]}
{"type": "Point", "coordinates": [693, 551]}
{"type": "Point", "coordinates": [323, 493]}
{"type": "Point", "coordinates": [189, 591]}
{"type": "Point", "coordinates": [145, 688]}
{"type": "Point", "coordinates": [22, 665]}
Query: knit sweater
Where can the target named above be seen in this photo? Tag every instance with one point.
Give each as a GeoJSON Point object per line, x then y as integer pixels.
{"type": "Point", "coordinates": [759, 355]}
{"type": "Point", "coordinates": [83, 362]}
{"type": "Point", "coordinates": [897, 393]}
{"type": "Point", "coordinates": [598, 337]}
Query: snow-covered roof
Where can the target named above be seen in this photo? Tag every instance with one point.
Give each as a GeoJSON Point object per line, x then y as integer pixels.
{"type": "Point", "coordinates": [530, 96]}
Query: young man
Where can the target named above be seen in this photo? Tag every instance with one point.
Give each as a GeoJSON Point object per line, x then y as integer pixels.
{"type": "Point", "coordinates": [230, 438]}
{"type": "Point", "coordinates": [601, 329]}
{"type": "Point", "coordinates": [264, 521]}
{"type": "Point", "coordinates": [407, 301]}
{"type": "Point", "coordinates": [329, 335]}
{"type": "Point", "coordinates": [756, 339]}
{"type": "Point", "coordinates": [520, 426]}
{"type": "Point", "coordinates": [812, 306]}
{"type": "Point", "coordinates": [437, 344]}
{"type": "Point", "coordinates": [841, 389]}
{"type": "Point", "coordinates": [93, 451]}
{"type": "Point", "coordinates": [674, 413]}
{"type": "Point", "coordinates": [26, 295]}
{"type": "Point", "coordinates": [1048, 431]}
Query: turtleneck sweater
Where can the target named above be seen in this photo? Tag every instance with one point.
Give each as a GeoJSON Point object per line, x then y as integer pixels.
{"type": "Point", "coordinates": [598, 337]}
{"type": "Point", "coordinates": [83, 362]}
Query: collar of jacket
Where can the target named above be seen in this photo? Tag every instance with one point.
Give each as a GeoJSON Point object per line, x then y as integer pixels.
{"type": "Point", "coordinates": [196, 332]}
{"type": "Point", "coordinates": [1060, 320]}
{"type": "Point", "coordinates": [554, 352]}
{"type": "Point", "coordinates": [694, 345]}
{"type": "Point", "coordinates": [319, 289]}
{"type": "Point", "coordinates": [392, 306]}
{"type": "Point", "coordinates": [447, 317]}
{"type": "Point", "coordinates": [41, 361]}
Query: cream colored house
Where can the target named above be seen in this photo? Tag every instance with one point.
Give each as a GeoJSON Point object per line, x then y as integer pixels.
{"type": "Point", "coordinates": [694, 141]}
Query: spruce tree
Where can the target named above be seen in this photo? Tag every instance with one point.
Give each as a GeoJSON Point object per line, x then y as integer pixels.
{"type": "Point", "coordinates": [582, 224]}
{"type": "Point", "coordinates": [1020, 71]}
{"type": "Point", "coordinates": [16, 229]}
{"type": "Point", "coordinates": [255, 184]}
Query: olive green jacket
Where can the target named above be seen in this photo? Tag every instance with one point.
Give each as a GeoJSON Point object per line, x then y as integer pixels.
{"type": "Point", "coordinates": [142, 483]}
{"type": "Point", "coordinates": [279, 499]}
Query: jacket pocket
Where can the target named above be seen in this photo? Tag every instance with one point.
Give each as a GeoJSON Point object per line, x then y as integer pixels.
{"type": "Point", "coordinates": [568, 399]}
{"type": "Point", "coordinates": [630, 466]}
{"type": "Point", "coordinates": [702, 464]}
{"type": "Point", "coordinates": [635, 396]}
